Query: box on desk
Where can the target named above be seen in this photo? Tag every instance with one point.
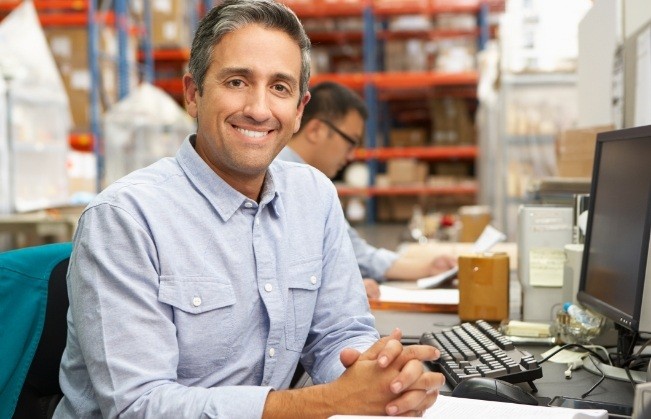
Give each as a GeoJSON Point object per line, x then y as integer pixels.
{"type": "Point", "coordinates": [484, 286]}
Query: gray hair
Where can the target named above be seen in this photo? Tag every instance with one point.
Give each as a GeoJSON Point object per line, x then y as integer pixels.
{"type": "Point", "coordinates": [231, 15]}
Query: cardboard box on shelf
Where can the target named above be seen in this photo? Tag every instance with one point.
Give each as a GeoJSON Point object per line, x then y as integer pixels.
{"type": "Point", "coordinates": [170, 24]}
{"type": "Point", "coordinates": [451, 122]}
{"type": "Point", "coordinates": [396, 208]}
{"type": "Point", "coordinates": [406, 171]}
{"type": "Point", "coordinates": [407, 137]}
{"type": "Point", "coordinates": [69, 47]}
{"type": "Point", "coordinates": [575, 151]}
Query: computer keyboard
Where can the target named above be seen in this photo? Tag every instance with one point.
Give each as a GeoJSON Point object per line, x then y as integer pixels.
{"type": "Point", "coordinates": [479, 350]}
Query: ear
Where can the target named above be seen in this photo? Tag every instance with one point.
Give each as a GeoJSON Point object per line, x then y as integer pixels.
{"type": "Point", "coordinates": [190, 94]}
{"type": "Point", "coordinates": [301, 108]}
{"type": "Point", "coordinates": [315, 131]}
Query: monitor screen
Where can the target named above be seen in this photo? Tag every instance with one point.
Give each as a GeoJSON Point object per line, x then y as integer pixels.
{"type": "Point", "coordinates": [614, 267]}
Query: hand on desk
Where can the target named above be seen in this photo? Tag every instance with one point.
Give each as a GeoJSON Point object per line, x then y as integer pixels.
{"type": "Point", "coordinates": [372, 289]}
{"type": "Point", "coordinates": [390, 378]}
{"type": "Point", "coordinates": [412, 268]}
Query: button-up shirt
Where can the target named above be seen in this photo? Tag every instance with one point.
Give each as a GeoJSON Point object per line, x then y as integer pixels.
{"type": "Point", "coordinates": [373, 261]}
{"type": "Point", "coordinates": [187, 299]}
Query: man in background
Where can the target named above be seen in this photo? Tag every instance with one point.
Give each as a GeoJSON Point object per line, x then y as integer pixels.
{"type": "Point", "coordinates": [331, 128]}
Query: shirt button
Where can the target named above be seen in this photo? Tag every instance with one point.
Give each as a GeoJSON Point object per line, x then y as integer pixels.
{"type": "Point", "coordinates": [268, 287]}
{"type": "Point", "coordinates": [248, 205]}
{"type": "Point", "coordinates": [272, 352]}
{"type": "Point", "coordinates": [257, 221]}
{"type": "Point", "coordinates": [313, 279]}
{"type": "Point", "coordinates": [196, 301]}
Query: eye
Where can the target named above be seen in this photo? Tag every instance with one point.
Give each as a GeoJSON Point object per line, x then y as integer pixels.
{"type": "Point", "coordinates": [281, 88]}
{"type": "Point", "coordinates": [235, 83]}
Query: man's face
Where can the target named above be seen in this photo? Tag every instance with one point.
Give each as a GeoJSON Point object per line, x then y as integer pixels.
{"type": "Point", "coordinates": [338, 143]}
{"type": "Point", "coordinates": [250, 106]}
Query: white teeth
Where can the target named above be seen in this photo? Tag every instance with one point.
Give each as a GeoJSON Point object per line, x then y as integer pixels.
{"type": "Point", "coordinates": [253, 134]}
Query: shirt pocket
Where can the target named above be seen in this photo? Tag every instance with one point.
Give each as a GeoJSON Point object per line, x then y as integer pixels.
{"type": "Point", "coordinates": [304, 281]}
{"type": "Point", "coordinates": [203, 315]}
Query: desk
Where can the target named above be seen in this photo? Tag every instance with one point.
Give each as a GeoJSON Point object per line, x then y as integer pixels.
{"type": "Point", "coordinates": [40, 227]}
{"type": "Point", "coordinates": [552, 383]}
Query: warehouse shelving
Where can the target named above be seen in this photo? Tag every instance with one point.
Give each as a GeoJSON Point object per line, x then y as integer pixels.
{"type": "Point", "coordinates": [86, 13]}
{"type": "Point", "coordinates": [380, 87]}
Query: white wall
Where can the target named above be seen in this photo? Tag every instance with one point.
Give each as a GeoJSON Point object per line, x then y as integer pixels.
{"type": "Point", "coordinates": [637, 13]}
{"type": "Point", "coordinates": [600, 32]}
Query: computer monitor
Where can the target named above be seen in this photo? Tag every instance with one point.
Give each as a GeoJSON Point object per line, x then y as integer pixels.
{"type": "Point", "coordinates": [615, 275]}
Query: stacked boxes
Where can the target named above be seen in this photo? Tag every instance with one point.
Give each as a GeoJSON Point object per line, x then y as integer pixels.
{"type": "Point", "coordinates": [170, 24]}
{"type": "Point", "coordinates": [575, 151]}
{"type": "Point", "coordinates": [69, 47]}
{"type": "Point", "coordinates": [451, 122]}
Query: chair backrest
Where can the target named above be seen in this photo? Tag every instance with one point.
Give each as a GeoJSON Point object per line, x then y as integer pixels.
{"type": "Point", "coordinates": [33, 306]}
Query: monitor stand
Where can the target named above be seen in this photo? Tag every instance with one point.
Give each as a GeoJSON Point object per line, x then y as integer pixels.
{"type": "Point", "coordinates": [616, 373]}
{"type": "Point", "coordinates": [625, 342]}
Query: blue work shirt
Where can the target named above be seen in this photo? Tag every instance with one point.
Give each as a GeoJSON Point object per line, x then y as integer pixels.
{"type": "Point", "coordinates": [188, 299]}
{"type": "Point", "coordinates": [373, 262]}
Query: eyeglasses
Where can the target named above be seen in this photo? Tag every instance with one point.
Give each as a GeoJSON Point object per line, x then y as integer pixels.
{"type": "Point", "coordinates": [351, 140]}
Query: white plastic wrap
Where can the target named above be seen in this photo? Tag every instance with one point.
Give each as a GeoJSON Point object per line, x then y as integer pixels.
{"type": "Point", "coordinates": [141, 128]}
{"type": "Point", "coordinates": [36, 117]}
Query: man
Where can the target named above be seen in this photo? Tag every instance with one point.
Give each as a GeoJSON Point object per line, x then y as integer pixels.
{"type": "Point", "coordinates": [198, 283]}
{"type": "Point", "coordinates": [331, 128]}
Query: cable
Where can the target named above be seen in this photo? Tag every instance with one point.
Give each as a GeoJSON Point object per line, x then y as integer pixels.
{"type": "Point", "coordinates": [603, 349]}
{"type": "Point", "coordinates": [603, 376]}
{"type": "Point", "coordinates": [573, 345]}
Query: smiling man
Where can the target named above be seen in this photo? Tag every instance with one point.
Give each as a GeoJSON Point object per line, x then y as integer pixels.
{"type": "Point", "coordinates": [199, 283]}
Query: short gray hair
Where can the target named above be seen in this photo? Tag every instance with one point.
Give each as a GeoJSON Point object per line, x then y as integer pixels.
{"type": "Point", "coordinates": [231, 15]}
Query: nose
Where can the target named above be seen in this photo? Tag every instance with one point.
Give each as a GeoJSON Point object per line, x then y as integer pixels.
{"type": "Point", "coordinates": [350, 154]}
{"type": "Point", "coordinates": [257, 105]}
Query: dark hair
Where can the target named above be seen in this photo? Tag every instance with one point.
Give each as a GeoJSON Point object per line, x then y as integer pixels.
{"type": "Point", "coordinates": [332, 101]}
{"type": "Point", "coordinates": [231, 15]}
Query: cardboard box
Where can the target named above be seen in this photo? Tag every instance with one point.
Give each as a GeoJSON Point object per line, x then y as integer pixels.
{"type": "Point", "coordinates": [69, 47]}
{"type": "Point", "coordinates": [575, 151]}
{"type": "Point", "coordinates": [484, 287]}
{"type": "Point", "coordinates": [407, 137]}
{"type": "Point", "coordinates": [407, 171]}
{"type": "Point", "coordinates": [170, 24]}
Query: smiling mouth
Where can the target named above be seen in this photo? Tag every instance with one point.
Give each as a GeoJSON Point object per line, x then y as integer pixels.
{"type": "Point", "coordinates": [252, 134]}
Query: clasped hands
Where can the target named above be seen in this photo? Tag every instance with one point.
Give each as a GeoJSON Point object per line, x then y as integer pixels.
{"type": "Point", "coordinates": [390, 378]}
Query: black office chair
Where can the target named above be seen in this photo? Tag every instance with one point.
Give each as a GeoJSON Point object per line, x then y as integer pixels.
{"type": "Point", "coordinates": [33, 307]}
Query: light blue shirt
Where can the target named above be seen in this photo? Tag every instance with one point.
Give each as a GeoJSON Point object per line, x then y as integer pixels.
{"type": "Point", "coordinates": [373, 262]}
{"type": "Point", "coordinates": [188, 300]}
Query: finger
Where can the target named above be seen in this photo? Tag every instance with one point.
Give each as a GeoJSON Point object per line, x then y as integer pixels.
{"type": "Point", "coordinates": [411, 402]}
{"type": "Point", "coordinates": [419, 352]}
{"type": "Point", "coordinates": [412, 377]}
{"type": "Point", "coordinates": [348, 356]}
{"type": "Point", "coordinates": [391, 351]}
{"type": "Point", "coordinates": [374, 351]}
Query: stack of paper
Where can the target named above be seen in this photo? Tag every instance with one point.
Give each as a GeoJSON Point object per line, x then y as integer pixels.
{"type": "Point", "coordinates": [457, 408]}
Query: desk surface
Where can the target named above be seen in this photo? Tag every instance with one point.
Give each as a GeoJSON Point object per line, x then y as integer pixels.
{"type": "Point", "coordinates": [553, 383]}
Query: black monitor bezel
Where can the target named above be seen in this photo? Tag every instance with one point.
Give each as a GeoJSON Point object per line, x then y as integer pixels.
{"type": "Point", "coordinates": [626, 320]}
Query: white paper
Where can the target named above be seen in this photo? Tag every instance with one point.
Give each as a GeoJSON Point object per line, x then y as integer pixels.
{"type": "Point", "coordinates": [546, 267]}
{"type": "Point", "coordinates": [402, 295]}
{"type": "Point", "coordinates": [457, 408]}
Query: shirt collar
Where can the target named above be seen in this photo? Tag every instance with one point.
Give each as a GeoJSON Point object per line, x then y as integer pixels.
{"type": "Point", "coordinates": [224, 198]}
{"type": "Point", "coordinates": [288, 154]}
